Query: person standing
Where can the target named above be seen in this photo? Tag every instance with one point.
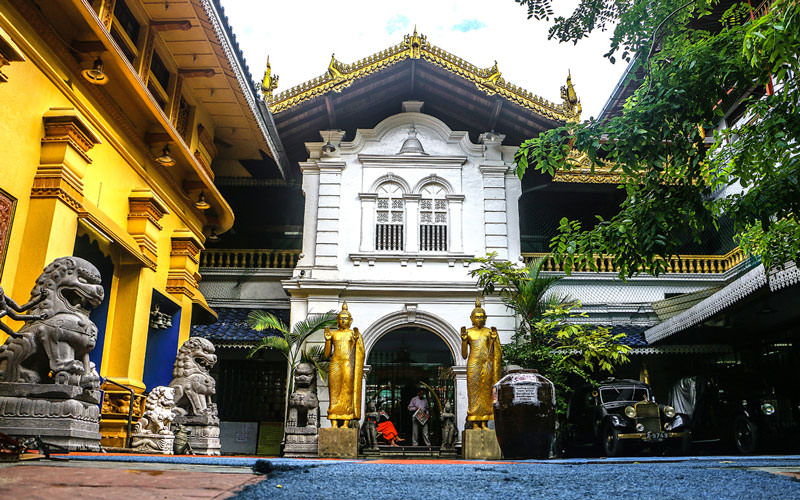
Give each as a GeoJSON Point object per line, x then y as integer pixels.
{"type": "Point", "coordinates": [419, 418]}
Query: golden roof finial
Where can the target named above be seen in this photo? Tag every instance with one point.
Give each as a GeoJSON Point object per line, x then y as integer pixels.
{"type": "Point", "coordinates": [571, 101]}
{"type": "Point", "coordinates": [269, 83]}
{"type": "Point", "coordinates": [414, 42]}
{"type": "Point", "coordinates": [333, 71]}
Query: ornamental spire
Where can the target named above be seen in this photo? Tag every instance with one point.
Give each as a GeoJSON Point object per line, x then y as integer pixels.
{"type": "Point", "coordinates": [269, 83]}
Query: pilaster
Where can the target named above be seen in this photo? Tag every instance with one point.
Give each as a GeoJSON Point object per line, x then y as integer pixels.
{"type": "Point", "coordinates": [328, 213]}
{"type": "Point", "coordinates": [368, 201]}
{"type": "Point", "coordinates": [495, 208]}
{"type": "Point", "coordinates": [455, 204]}
{"type": "Point", "coordinates": [310, 173]}
{"type": "Point", "coordinates": [145, 212]}
{"type": "Point", "coordinates": [412, 222]}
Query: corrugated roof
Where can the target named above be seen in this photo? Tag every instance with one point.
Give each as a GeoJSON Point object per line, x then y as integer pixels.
{"type": "Point", "coordinates": [668, 308]}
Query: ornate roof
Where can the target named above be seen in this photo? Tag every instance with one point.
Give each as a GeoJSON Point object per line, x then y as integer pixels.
{"type": "Point", "coordinates": [416, 46]}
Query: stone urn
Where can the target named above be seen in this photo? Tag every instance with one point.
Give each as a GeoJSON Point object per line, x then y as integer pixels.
{"type": "Point", "coordinates": [524, 414]}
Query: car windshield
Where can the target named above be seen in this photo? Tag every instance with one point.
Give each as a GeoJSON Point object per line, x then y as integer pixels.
{"type": "Point", "coordinates": [610, 394]}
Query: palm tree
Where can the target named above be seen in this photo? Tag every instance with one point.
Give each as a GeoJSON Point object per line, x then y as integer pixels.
{"type": "Point", "coordinates": [290, 342]}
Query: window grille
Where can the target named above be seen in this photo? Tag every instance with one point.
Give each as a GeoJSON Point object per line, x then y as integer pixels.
{"type": "Point", "coordinates": [433, 219]}
{"type": "Point", "coordinates": [389, 218]}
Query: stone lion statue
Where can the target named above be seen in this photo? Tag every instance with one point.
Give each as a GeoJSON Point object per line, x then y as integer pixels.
{"type": "Point", "coordinates": [158, 412]}
{"type": "Point", "coordinates": [191, 380]}
{"type": "Point", "coordinates": [54, 346]}
{"type": "Point", "coordinates": [303, 402]}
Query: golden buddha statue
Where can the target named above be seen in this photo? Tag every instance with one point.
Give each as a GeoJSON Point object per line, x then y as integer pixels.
{"type": "Point", "coordinates": [483, 366]}
{"type": "Point", "coordinates": [345, 371]}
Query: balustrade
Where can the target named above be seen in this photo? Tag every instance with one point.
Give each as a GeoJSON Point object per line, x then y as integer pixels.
{"type": "Point", "coordinates": [249, 258]}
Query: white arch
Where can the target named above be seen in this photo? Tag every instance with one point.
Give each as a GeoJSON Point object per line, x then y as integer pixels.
{"type": "Point", "coordinates": [398, 319]}
{"type": "Point", "coordinates": [390, 177]}
{"type": "Point", "coordinates": [434, 179]}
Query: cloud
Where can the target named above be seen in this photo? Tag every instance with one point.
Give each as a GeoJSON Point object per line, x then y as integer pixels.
{"type": "Point", "coordinates": [397, 23]}
{"type": "Point", "coordinates": [469, 25]}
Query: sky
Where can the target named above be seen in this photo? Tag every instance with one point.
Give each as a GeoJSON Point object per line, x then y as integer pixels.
{"type": "Point", "coordinates": [300, 36]}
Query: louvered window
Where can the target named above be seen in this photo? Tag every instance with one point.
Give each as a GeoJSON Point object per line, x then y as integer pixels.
{"type": "Point", "coordinates": [389, 218]}
{"type": "Point", "coordinates": [433, 219]}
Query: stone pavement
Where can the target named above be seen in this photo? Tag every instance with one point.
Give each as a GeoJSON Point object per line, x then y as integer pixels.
{"type": "Point", "coordinates": [80, 480]}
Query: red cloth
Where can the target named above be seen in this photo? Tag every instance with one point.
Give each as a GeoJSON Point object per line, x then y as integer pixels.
{"type": "Point", "coordinates": [387, 430]}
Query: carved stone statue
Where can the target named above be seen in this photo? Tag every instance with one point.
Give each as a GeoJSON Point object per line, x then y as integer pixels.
{"type": "Point", "coordinates": [181, 445]}
{"type": "Point", "coordinates": [58, 334]}
{"type": "Point", "coordinates": [302, 423]}
{"type": "Point", "coordinates": [151, 432]}
{"type": "Point", "coordinates": [191, 379]}
{"type": "Point", "coordinates": [370, 428]}
{"type": "Point", "coordinates": [48, 385]}
{"type": "Point", "coordinates": [449, 429]}
{"type": "Point", "coordinates": [194, 387]}
{"type": "Point", "coordinates": [345, 348]}
{"type": "Point", "coordinates": [483, 366]}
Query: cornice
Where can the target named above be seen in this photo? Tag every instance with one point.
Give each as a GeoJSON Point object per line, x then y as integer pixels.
{"type": "Point", "coordinates": [416, 46]}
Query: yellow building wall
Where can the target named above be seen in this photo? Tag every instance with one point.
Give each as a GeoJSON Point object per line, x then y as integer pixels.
{"type": "Point", "coordinates": [45, 228]}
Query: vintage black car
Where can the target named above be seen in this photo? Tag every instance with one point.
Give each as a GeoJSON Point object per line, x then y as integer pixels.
{"type": "Point", "coordinates": [619, 416]}
{"type": "Point", "coordinates": [739, 411]}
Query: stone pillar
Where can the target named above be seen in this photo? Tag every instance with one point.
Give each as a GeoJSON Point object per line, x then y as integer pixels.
{"type": "Point", "coordinates": [311, 193]}
{"type": "Point", "coordinates": [513, 193]}
{"type": "Point", "coordinates": [412, 222]}
{"type": "Point", "coordinates": [367, 221]}
{"type": "Point", "coordinates": [455, 203]}
{"type": "Point", "coordinates": [461, 402]}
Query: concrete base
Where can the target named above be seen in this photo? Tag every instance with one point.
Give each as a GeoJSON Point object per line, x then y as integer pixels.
{"type": "Point", "coordinates": [338, 442]}
{"type": "Point", "coordinates": [203, 433]}
{"type": "Point", "coordinates": [51, 414]}
{"type": "Point", "coordinates": [480, 444]}
{"type": "Point", "coordinates": [301, 442]}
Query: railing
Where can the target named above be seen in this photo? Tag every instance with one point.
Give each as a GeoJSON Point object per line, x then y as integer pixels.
{"type": "Point", "coordinates": [258, 258]}
{"type": "Point", "coordinates": [389, 237]}
{"type": "Point", "coordinates": [708, 264]}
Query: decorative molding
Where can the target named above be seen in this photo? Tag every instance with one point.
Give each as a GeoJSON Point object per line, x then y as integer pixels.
{"type": "Point", "coordinates": [145, 212]}
{"type": "Point", "coordinates": [8, 205]}
{"type": "Point", "coordinates": [63, 125]}
{"type": "Point", "coordinates": [583, 171]}
{"type": "Point", "coordinates": [417, 259]}
{"type": "Point", "coordinates": [8, 54]}
{"type": "Point", "coordinates": [415, 46]}
{"type": "Point", "coordinates": [182, 277]}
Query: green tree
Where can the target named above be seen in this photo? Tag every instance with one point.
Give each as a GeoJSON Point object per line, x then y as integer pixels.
{"type": "Point", "coordinates": [290, 343]}
{"type": "Point", "coordinates": [552, 336]}
{"type": "Point", "coordinates": [672, 167]}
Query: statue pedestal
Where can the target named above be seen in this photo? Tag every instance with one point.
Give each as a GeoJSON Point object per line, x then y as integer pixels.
{"type": "Point", "coordinates": [480, 444]}
{"type": "Point", "coordinates": [339, 442]}
{"type": "Point", "coordinates": [301, 442]}
{"type": "Point", "coordinates": [145, 442]}
{"type": "Point", "coordinates": [62, 415]}
{"type": "Point", "coordinates": [203, 433]}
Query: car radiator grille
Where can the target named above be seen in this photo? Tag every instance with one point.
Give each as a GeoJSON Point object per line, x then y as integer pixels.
{"type": "Point", "coordinates": [647, 415]}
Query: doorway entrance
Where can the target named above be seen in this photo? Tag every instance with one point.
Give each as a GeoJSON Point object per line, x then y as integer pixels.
{"type": "Point", "coordinates": [402, 361]}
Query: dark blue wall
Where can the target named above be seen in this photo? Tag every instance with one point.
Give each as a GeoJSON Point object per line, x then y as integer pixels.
{"type": "Point", "coordinates": [162, 345]}
{"type": "Point", "coordinates": [90, 250]}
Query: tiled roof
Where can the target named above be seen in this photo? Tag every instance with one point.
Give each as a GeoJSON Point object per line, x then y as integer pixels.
{"type": "Point", "coordinates": [668, 308]}
{"type": "Point", "coordinates": [634, 334]}
{"type": "Point", "coordinates": [232, 326]}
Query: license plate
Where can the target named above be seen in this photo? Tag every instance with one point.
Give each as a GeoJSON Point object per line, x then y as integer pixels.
{"type": "Point", "coordinates": [655, 436]}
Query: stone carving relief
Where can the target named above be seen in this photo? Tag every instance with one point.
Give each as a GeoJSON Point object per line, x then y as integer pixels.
{"type": "Point", "coordinates": [152, 431]}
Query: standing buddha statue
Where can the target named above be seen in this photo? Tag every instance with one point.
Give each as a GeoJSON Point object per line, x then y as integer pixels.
{"type": "Point", "coordinates": [345, 370]}
{"type": "Point", "coordinates": [483, 366]}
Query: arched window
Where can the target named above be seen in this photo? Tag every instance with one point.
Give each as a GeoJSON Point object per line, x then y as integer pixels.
{"type": "Point", "coordinates": [433, 219]}
{"type": "Point", "coordinates": [389, 217]}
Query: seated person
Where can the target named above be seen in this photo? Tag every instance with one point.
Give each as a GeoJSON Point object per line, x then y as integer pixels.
{"type": "Point", "coordinates": [387, 430]}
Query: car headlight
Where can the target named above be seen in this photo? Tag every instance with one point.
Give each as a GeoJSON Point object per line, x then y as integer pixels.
{"type": "Point", "coordinates": [630, 412]}
{"type": "Point", "coordinates": [767, 409]}
{"type": "Point", "coordinates": [639, 427]}
{"type": "Point", "coordinates": [669, 411]}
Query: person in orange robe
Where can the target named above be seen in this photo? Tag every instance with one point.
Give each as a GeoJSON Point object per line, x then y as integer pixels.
{"type": "Point", "coordinates": [387, 429]}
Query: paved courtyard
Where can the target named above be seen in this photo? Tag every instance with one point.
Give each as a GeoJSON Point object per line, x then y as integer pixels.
{"type": "Point", "coordinates": [144, 478]}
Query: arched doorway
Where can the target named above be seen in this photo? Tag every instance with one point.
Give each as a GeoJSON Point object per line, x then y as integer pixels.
{"type": "Point", "coordinates": [400, 360]}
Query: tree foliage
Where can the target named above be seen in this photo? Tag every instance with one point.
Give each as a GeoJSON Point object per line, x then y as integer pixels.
{"type": "Point", "coordinates": [552, 336]}
{"type": "Point", "coordinates": [680, 177]}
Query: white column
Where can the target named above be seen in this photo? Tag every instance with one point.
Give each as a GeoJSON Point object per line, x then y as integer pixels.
{"type": "Point", "coordinates": [311, 193]}
{"type": "Point", "coordinates": [455, 205]}
{"type": "Point", "coordinates": [412, 222]}
{"type": "Point", "coordinates": [494, 208]}
{"type": "Point", "coordinates": [327, 248]}
{"type": "Point", "coordinates": [461, 397]}
{"type": "Point", "coordinates": [367, 221]}
{"type": "Point", "coordinates": [513, 193]}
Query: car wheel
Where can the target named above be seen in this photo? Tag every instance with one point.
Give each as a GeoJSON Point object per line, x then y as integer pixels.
{"type": "Point", "coordinates": [745, 435]}
{"type": "Point", "coordinates": [611, 444]}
